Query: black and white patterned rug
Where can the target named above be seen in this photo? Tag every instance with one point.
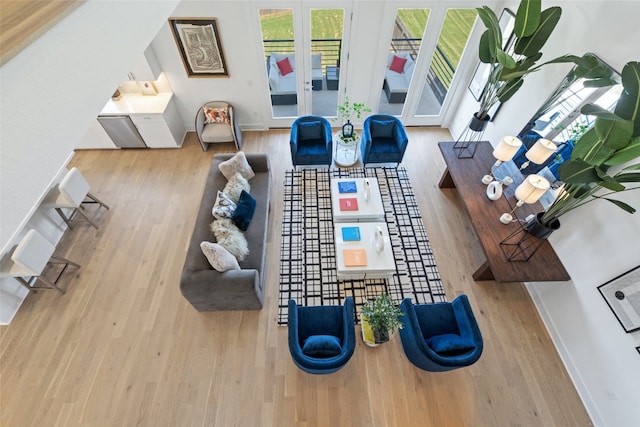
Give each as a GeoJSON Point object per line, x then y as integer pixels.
{"type": "Point", "coordinates": [307, 256]}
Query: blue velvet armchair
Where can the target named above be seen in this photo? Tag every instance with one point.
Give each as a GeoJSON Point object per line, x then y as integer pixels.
{"type": "Point", "coordinates": [311, 141]}
{"type": "Point", "coordinates": [442, 336]}
{"type": "Point", "coordinates": [384, 140]}
{"type": "Point", "coordinates": [321, 339]}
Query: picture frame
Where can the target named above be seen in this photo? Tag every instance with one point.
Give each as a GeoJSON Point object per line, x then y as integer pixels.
{"type": "Point", "coordinates": [198, 42]}
{"type": "Point", "coordinates": [622, 294]}
{"type": "Point", "coordinates": [481, 74]}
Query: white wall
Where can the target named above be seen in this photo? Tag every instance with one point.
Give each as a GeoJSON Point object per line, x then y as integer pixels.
{"type": "Point", "coordinates": [51, 93]}
{"type": "Point", "coordinates": [595, 243]}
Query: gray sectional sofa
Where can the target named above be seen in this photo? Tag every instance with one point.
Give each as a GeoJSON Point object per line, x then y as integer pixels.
{"type": "Point", "coordinates": [207, 289]}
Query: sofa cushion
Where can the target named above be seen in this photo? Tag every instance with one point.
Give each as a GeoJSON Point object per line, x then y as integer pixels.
{"type": "Point", "coordinates": [284, 66]}
{"type": "Point", "coordinates": [224, 207]}
{"type": "Point", "coordinates": [397, 64]}
{"type": "Point", "coordinates": [230, 237]}
{"type": "Point", "coordinates": [219, 258]}
{"type": "Point", "coordinates": [237, 163]}
{"type": "Point", "coordinates": [450, 344]}
{"type": "Point", "coordinates": [235, 186]}
{"type": "Point", "coordinates": [321, 346]}
{"type": "Point", "coordinates": [310, 130]}
{"type": "Point", "coordinates": [382, 128]}
{"type": "Point", "coordinates": [216, 115]}
{"type": "Point", "coordinates": [244, 212]}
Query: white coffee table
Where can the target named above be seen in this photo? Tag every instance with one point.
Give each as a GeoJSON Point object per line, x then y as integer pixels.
{"type": "Point", "coordinates": [380, 265]}
{"type": "Point", "coordinates": [368, 210]}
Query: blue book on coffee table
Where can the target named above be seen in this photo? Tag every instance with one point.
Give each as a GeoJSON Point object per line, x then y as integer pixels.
{"type": "Point", "coordinates": [347, 187]}
{"type": "Point", "coordinates": [350, 233]}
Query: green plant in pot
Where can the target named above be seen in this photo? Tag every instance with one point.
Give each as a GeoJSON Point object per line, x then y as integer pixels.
{"type": "Point", "coordinates": [347, 112]}
{"type": "Point", "coordinates": [532, 29]}
{"type": "Point", "coordinates": [596, 169]}
{"type": "Point", "coordinates": [383, 316]}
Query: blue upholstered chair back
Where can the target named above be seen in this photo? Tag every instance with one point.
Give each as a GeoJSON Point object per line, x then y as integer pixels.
{"type": "Point", "coordinates": [334, 321]}
{"type": "Point", "coordinates": [311, 141]}
{"type": "Point", "coordinates": [448, 324]}
{"type": "Point", "coordinates": [384, 139]}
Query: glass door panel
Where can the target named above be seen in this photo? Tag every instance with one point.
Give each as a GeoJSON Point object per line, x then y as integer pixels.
{"type": "Point", "coordinates": [409, 27]}
{"type": "Point", "coordinates": [326, 29]}
{"type": "Point", "coordinates": [446, 57]}
{"type": "Point", "coordinates": [280, 60]}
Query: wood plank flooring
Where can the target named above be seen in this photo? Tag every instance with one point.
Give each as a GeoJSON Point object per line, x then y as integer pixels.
{"type": "Point", "coordinates": [122, 347]}
{"type": "Point", "coordinates": [22, 22]}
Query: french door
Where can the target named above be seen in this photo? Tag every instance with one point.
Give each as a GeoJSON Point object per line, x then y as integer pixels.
{"type": "Point", "coordinates": [303, 45]}
{"type": "Point", "coordinates": [432, 39]}
{"type": "Point", "coordinates": [316, 53]}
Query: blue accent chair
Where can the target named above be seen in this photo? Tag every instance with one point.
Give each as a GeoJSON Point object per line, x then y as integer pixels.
{"type": "Point", "coordinates": [440, 337]}
{"type": "Point", "coordinates": [384, 140]}
{"type": "Point", "coordinates": [321, 339]}
{"type": "Point", "coordinates": [311, 141]}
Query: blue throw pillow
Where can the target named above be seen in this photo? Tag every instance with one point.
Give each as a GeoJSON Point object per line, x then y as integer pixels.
{"type": "Point", "coordinates": [382, 128]}
{"type": "Point", "coordinates": [245, 208]}
{"type": "Point", "coordinates": [310, 130]}
{"type": "Point", "coordinates": [450, 344]}
{"type": "Point", "coordinates": [321, 346]}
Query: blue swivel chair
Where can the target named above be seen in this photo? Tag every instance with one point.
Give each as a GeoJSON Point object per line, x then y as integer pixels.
{"type": "Point", "coordinates": [442, 336]}
{"type": "Point", "coordinates": [384, 140]}
{"type": "Point", "coordinates": [311, 141]}
{"type": "Point", "coordinates": [321, 339]}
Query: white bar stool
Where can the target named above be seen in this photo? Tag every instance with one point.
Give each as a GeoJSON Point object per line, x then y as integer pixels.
{"type": "Point", "coordinates": [72, 192]}
{"type": "Point", "coordinates": [30, 258]}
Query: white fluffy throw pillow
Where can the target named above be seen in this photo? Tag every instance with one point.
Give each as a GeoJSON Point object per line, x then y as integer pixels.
{"type": "Point", "coordinates": [229, 236]}
{"type": "Point", "coordinates": [234, 187]}
{"type": "Point", "coordinates": [238, 163]}
{"type": "Point", "coordinates": [219, 258]}
{"type": "Point", "coordinates": [224, 207]}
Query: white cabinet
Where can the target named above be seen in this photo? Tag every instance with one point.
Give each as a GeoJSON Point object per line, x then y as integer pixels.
{"type": "Point", "coordinates": [161, 130]}
{"type": "Point", "coordinates": [96, 137]}
{"type": "Point", "coordinates": [147, 68]}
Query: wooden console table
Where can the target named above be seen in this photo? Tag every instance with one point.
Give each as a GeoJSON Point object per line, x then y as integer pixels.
{"type": "Point", "coordinates": [465, 175]}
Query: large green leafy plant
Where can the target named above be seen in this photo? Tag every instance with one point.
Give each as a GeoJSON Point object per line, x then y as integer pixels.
{"type": "Point", "coordinates": [595, 170]}
{"type": "Point", "coordinates": [532, 29]}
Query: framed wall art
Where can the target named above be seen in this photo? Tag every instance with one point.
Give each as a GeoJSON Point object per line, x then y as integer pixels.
{"type": "Point", "coordinates": [200, 47]}
{"type": "Point", "coordinates": [622, 294]}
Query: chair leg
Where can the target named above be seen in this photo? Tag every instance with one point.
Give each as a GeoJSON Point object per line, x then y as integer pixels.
{"type": "Point", "coordinates": [25, 284]}
{"type": "Point", "coordinates": [98, 201]}
{"type": "Point", "coordinates": [60, 260]}
{"type": "Point", "coordinates": [64, 218]}
{"type": "Point", "coordinates": [86, 217]}
{"type": "Point", "coordinates": [49, 283]}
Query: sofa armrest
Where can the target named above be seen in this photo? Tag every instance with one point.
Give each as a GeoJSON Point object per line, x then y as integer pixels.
{"type": "Point", "coordinates": [209, 290]}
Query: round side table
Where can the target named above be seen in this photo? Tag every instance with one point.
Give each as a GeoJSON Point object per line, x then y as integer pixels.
{"type": "Point", "coordinates": [346, 151]}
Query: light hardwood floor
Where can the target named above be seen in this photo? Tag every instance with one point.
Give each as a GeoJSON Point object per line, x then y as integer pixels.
{"type": "Point", "coordinates": [124, 348]}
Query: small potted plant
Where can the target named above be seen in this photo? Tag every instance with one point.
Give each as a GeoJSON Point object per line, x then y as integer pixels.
{"type": "Point", "coordinates": [346, 113]}
{"type": "Point", "coordinates": [382, 316]}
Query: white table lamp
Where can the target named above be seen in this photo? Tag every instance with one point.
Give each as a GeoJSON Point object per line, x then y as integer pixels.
{"type": "Point", "coordinates": [539, 152]}
{"type": "Point", "coordinates": [503, 152]}
{"type": "Point", "coordinates": [529, 191]}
